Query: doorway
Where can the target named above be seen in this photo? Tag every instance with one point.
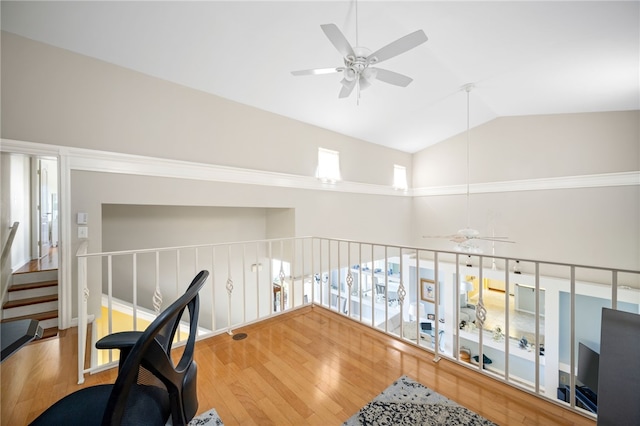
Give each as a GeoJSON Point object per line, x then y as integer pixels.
{"type": "Point", "coordinates": [44, 191]}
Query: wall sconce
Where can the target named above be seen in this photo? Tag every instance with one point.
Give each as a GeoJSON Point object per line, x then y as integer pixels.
{"type": "Point", "coordinates": [256, 267]}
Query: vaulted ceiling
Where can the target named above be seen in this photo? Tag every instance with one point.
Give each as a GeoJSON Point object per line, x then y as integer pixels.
{"type": "Point", "coordinates": [524, 57]}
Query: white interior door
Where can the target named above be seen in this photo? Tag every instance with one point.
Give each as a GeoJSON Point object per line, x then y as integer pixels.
{"type": "Point", "coordinates": [45, 214]}
{"type": "Point", "coordinates": [45, 211]}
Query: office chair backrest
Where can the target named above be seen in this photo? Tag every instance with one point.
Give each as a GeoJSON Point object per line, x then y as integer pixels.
{"type": "Point", "coordinates": [153, 352]}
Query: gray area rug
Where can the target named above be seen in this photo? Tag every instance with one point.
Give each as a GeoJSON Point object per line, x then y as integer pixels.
{"type": "Point", "coordinates": [210, 418]}
{"type": "Point", "coordinates": [407, 402]}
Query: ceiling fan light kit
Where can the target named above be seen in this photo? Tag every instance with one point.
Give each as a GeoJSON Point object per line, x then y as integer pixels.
{"type": "Point", "coordinates": [358, 71]}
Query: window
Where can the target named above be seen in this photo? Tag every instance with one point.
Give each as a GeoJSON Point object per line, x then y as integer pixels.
{"type": "Point", "coordinates": [400, 177]}
{"type": "Point", "coordinates": [328, 165]}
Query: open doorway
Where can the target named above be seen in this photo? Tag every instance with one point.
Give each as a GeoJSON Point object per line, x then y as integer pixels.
{"type": "Point", "coordinates": [44, 193]}
{"type": "Point", "coordinates": [29, 195]}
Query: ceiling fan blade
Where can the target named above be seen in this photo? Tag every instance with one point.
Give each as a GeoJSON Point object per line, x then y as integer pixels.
{"type": "Point", "coordinates": [397, 47]}
{"type": "Point", "coordinates": [347, 88]}
{"type": "Point", "coordinates": [338, 39]}
{"type": "Point", "coordinates": [392, 77]}
{"type": "Point", "coordinates": [318, 71]}
{"type": "Point", "coordinates": [496, 239]}
{"type": "Point", "coordinates": [364, 83]}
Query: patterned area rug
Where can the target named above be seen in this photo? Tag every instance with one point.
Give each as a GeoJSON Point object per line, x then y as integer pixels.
{"type": "Point", "coordinates": [210, 418]}
{"type": "Point", "coordinates": [407, 402]}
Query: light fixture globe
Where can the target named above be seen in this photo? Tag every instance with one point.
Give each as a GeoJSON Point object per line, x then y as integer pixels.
{"type": "Point", "coordinates": [469, 232]}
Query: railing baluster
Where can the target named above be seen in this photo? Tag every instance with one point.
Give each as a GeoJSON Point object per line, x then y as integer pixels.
{"type": "Point", "coordinates": [507, 319]}
{"type": "Point", "coordinates": [436, 294]}
{"type": "Point", "coordinates": [292, 285]}
{"type": "Point", "coordinates": [272, 295]}
{"type": "Point", "coordinates": [110, 300]}
{"type": "Point", "coordinates": [572, 376]}
{"type": "Point", "coordinates": [157, 294]}
{"type": "Point", "coordinates": [456, 328]}
{"type": "Point", "coordinates": [386, 284]}
{"type": "Point", "coordinates": [310, 300]}
{"type": "Point", "coordinates": [134, 280]}
{"type": "Point", "coordinates": [229, 290]}
{"type": "Point", "coordinates": [536, 347]}
{"type": "Point", "coordinates": [83, 295]}
{"type": "Point", "coordinates": [479, 309]}
{"type": "Point", "coordinates": [177, 287]}
{"type": "Point", "coordinates": [258, 268]}
{"type": "Point", "coordinates": [213, 288]}
{"type": "Point", "coordinates": [244, 283]}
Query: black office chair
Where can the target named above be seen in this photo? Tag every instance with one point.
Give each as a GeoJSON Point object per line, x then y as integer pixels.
{"type": "Point", "coordinates": [149, 388]}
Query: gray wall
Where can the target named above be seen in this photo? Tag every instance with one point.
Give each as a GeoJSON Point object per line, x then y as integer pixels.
{"type": "Point", "coordinates": [131, 227]}
{"type": "Point", "coordinates": [53, 96]}
{"type": "Point", "coordinates": [588, 322]}
{"type": "Point", "coordinates": [588, 225]}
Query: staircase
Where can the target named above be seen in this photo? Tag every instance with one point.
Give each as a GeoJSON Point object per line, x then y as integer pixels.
{"type": "Point", "coordinates": [34, 295]}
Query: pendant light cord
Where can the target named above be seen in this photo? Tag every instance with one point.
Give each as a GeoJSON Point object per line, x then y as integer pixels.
{"type": "Point", "coordinates": [357, 74]}
{"type": "Point", "coordinates": [468, 88]}
{"type": "Point", "coordinates": [357, 42]}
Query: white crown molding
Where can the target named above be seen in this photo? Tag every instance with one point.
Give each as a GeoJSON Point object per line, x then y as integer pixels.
{"type": "Point", "coordinates": [542, 184]}
{"type": "Point", "coordinates": [112, 162]}
{"type": "Point", "coordinates": [29, 148]}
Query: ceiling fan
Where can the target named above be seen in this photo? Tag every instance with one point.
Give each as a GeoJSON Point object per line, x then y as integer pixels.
{"type": "Point", "coordinates": [358, 70]}
{"type": "Point", "coordinates": [465, 237]}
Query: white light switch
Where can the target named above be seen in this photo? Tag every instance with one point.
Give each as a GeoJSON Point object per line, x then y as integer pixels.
{"type": "Point", "coordinates": [82, 218]}
{"type": "Point", "coordinates": [83, 232]}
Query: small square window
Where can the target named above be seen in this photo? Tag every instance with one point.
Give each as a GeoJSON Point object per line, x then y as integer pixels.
{"type": "Point", "coordinates": [328, 165]}
{"type": "Point", "coordinates": [400, 177]}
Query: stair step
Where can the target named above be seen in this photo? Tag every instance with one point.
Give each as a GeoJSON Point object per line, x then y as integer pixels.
{"type": "Point", "coordinates": [26, 291]}
{"type": "Point", "coordinates": [30, 286]}
{"type": "Point", "coordinates": [47, 320]}
{"type": "Point", "coordinates": [39, 316]}
{"type": "Point", "coordinates": [49, 332]}
{"type": "Point", "coordinates": [30, 301]}
{"type": "Point", "coordinates": [32, 309]}
{"type": "Point", "coordinates": [29, 277]}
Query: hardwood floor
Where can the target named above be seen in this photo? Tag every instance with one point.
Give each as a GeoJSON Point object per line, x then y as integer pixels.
{"type": "Point", "coordinates": [307, 367]}
{"type": "Point", "coordinates": [47, 262]}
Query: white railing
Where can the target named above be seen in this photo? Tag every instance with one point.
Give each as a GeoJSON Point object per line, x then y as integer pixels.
{"type": "Point", "coordinates": [543, 309]}
{"type": "Point", "coordinates": [4, 258]}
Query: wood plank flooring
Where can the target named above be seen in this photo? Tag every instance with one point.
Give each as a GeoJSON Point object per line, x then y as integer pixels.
{"type": "Point", "coordinates": [307, 367]}
{"type": "Point", "coordinates": [46, 263]}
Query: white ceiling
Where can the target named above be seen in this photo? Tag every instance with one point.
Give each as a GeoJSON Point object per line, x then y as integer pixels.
{"type": "Point", "coordinates": [524, 57]}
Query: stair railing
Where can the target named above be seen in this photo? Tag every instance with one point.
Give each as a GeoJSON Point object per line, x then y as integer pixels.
{"type": "Point", "coordinates": [248, 282]}
{"type": "Point", "coordinates": [6, 250]}
{"type": "Point", "coordinates": [6, 255]}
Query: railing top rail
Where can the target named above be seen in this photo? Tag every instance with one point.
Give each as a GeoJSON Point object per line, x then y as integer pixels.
{"type": "Point", "coordinates": [406, 249]}
{"type": "Point", "coordinates": [153, 250]}
{"type": "Point", "coordinates": [7, 247]}
{"type": "Point", "coordinates": [483, 256]}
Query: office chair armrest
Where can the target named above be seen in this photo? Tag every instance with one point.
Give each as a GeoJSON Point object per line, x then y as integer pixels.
{"type": "Point", "coordinates": [121, 340]}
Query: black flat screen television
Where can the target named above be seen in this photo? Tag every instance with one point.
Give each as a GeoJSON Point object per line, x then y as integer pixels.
{"type": "Point", "coordinates": [588, 364]}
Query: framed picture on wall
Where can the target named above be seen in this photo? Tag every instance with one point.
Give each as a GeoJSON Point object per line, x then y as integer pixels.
{"type": "Point", "coordinates": [427, 290]}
